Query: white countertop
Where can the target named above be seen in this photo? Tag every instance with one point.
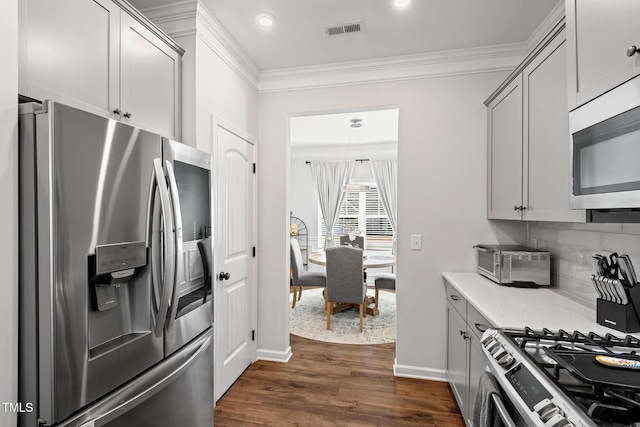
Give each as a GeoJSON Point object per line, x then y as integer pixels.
{"type": "Point", "coordinates": [508, 307]}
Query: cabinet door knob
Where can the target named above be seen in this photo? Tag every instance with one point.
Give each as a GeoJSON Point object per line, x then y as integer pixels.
{"type": "Point", "coordinates": [632, 50]}
{"type": "Point", "coordinates": [127, 115]}
{"type": "Point", "coordinates": [117, 111]}
{"type": "Point", "coordinates": [224, 276]}
{"type": "Point", "coordinates": [523, 208]}
{"type": "Point", "coordinates": [515, 207]}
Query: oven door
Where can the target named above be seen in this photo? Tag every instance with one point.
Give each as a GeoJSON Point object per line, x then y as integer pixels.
{"type": "Point", "coordinates": [605, 146]}
{"type": "Point", "coordinates": [507, 411]}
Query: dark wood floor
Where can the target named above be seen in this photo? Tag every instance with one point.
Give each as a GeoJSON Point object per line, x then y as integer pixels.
{"type": "Point", "coordinates": [335, 385]}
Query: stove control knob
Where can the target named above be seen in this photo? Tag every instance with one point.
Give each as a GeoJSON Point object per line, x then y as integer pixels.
{"type": "Point", "coordinates": [487, 336]}
{"type": "Point", "coordinates": [546, 409]}
{"type": "Point", "coordinates": [504, 359]}
{"type": "Point", "coordinates": [493, 346]}
{"type": "Point", "coordinates": [497, 349]}
{"type": "Point", "coordinates": [558, 420]}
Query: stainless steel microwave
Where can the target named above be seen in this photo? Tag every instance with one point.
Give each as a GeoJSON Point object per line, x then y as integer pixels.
{"type": "Point", "coordinates": [605, 150]}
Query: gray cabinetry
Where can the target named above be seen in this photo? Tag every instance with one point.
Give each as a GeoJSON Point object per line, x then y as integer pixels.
{"type": "Point", "coordinates": [465, 361]}
{"type": "Point", "coordinates": [599, 33]}
{"type": "Point", "coordinates": [505, 153]}
{"type": "Point", "coordinates": [528, 139]}
{"type": "Point", "coordinates": [457, 357]}
{"type": "Point", "coordinates": [101, 56]}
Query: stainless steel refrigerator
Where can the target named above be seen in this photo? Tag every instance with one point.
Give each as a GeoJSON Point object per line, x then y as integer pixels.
{"type": "Point", "coordinates": [116, 305]}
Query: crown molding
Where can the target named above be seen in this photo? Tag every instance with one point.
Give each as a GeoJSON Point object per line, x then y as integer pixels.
{"type": "Point", "coordinates": [408, 67]}
{"type": "Point", "coordinates": [554, 17]}
{"type": "Point", "coordinates": [192, 17]}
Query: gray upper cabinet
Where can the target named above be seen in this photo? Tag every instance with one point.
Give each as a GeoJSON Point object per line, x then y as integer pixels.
{"type": "Point", "coordinates": [69, 52]}
{"type": "Point", "coordinates": [599, 34]}
{"type": "Point", "coordinates": [505, 152]}
{"type": "Point", "coordinates": [150, 80]}
{"type": "Point", "coordinates": [528, 140]}
{"type": "Point", "coordinates": [100, 57]}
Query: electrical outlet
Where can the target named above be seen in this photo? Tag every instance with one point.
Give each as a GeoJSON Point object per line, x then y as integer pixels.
{"type": "Point", "coordinates": [416, 242]}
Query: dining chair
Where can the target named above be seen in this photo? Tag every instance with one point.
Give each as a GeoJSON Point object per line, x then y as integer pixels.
{"type": "Point", "coordinates": [345, 283]}
{"type": "Point", "coordinates": [299, 277]}
{"type": "Point", "coordinates": [358, 242]}
{"type": "Point", "coordinates": [385, 281]}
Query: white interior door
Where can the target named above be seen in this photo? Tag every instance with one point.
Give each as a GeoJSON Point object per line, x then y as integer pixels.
{"type": "Point", "coordinates": [233, 253]}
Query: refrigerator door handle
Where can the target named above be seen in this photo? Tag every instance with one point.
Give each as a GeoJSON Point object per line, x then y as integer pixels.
{"type": "Point", "coordinates": [177, 218]}
{"type": "Point", "coordinates": [163, 296]}
{"type": "Point", "coordinates": [143, 388]}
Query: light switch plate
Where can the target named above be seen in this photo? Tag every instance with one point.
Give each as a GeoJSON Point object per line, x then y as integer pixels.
{"type": "Point", "coordinates": [416, 242]}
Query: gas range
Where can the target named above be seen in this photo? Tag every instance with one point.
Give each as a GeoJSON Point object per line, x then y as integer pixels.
{"type": "Point", "coordinates": [553, 378]}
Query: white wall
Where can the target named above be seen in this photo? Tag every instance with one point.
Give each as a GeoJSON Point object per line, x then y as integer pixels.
{"type": "Point", "coordinates": [210, 86]}
{"type": "Point", "coordinates": [9, 211]}
{"type": "Point", "coordinates": [303, 197]}
{"type": "Point", "coordinates": [441, 195]}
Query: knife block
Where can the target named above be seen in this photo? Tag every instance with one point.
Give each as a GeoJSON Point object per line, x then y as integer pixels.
{"type": "Point", "coordinates": [623, 318]}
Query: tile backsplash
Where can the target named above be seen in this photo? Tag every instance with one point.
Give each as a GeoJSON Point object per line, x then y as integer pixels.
{"type": "Point", "coordinates": [572, 247]}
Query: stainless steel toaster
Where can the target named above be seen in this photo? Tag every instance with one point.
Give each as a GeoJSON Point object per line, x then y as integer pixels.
{"type": "Point", "coordinates": [514, 265]}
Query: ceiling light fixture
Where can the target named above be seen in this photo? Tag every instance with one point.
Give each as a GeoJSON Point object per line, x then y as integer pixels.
{"type": "Point", "coordinates": [355, 187]}
{"type": "Point", "coordinates": [401, 3]}
{"type": "Point", "coordinates": [266, 20]}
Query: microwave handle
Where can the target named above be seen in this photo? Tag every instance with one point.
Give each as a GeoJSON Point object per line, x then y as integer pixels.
{"type": "Point", "coordinates": [502, 411]}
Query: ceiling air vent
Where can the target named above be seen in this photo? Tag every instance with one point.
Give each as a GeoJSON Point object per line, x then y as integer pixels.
{"type": "Point", "coordinates": [343, 28]}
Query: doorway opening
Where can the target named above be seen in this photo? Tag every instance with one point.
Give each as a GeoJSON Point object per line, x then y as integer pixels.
{"type": "Point", "coordinates": [367, 137]}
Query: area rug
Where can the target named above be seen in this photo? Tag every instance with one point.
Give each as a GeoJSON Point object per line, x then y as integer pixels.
{"type": "Point", "coordinates": [309, 320]}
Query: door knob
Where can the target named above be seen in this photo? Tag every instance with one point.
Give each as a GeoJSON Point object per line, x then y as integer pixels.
{"type": "Point", "coordinates": [632, 50]}
{"type": "Point", "coordinates": [127, 115]}
{"type": "Point", "coordinates": [117, 111]}
{"type": "Point", "coordinates": [223, 276]}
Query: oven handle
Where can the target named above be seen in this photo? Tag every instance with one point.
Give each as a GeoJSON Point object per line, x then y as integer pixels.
{"type": "Point", "coordinates": [502, 411]}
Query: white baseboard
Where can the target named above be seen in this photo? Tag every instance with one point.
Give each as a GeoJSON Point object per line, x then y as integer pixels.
{"type": "Point", "coordinates": [419, 372]}
{"type": "Point", "coordinates": [274, 356]}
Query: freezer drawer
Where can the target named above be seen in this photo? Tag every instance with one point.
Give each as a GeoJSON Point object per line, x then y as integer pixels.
{"type": "Point", "coordinates": [176, 392]}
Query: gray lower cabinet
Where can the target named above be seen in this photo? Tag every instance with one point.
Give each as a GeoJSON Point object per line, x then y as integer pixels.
{"type": "Point", "coordinates": [465, 361]}
{"type": "Point", "coordinates": [457, 357]}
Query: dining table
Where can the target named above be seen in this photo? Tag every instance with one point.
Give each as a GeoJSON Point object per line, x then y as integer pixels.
{"type": "Point", "coordinates": [369, 260]}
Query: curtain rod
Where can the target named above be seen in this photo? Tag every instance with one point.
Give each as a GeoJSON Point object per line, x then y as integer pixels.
{"type": "Point", "coordinates": [357, 160]}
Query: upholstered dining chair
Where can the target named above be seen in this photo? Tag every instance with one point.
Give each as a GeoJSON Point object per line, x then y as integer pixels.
{"type": "Point", "coordinates": [345, 283]}
{"type": "Point", "coordinates": [386, 281]}
{"type": "Point", "coordinates": [299, 277]}
{"type": "Point", "coordinates": [358, 242]}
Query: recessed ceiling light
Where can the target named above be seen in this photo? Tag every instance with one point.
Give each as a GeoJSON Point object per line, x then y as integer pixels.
{"type": "Point", "coordinates": [401, 3]}
{"type": "Point", "coordinates": [266, 20]}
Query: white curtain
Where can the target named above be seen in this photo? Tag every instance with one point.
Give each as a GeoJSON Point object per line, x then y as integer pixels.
{"type": "Point", "coordinates": [329, 178]}
{"type": "Point", "coordinates": [385, 173]}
